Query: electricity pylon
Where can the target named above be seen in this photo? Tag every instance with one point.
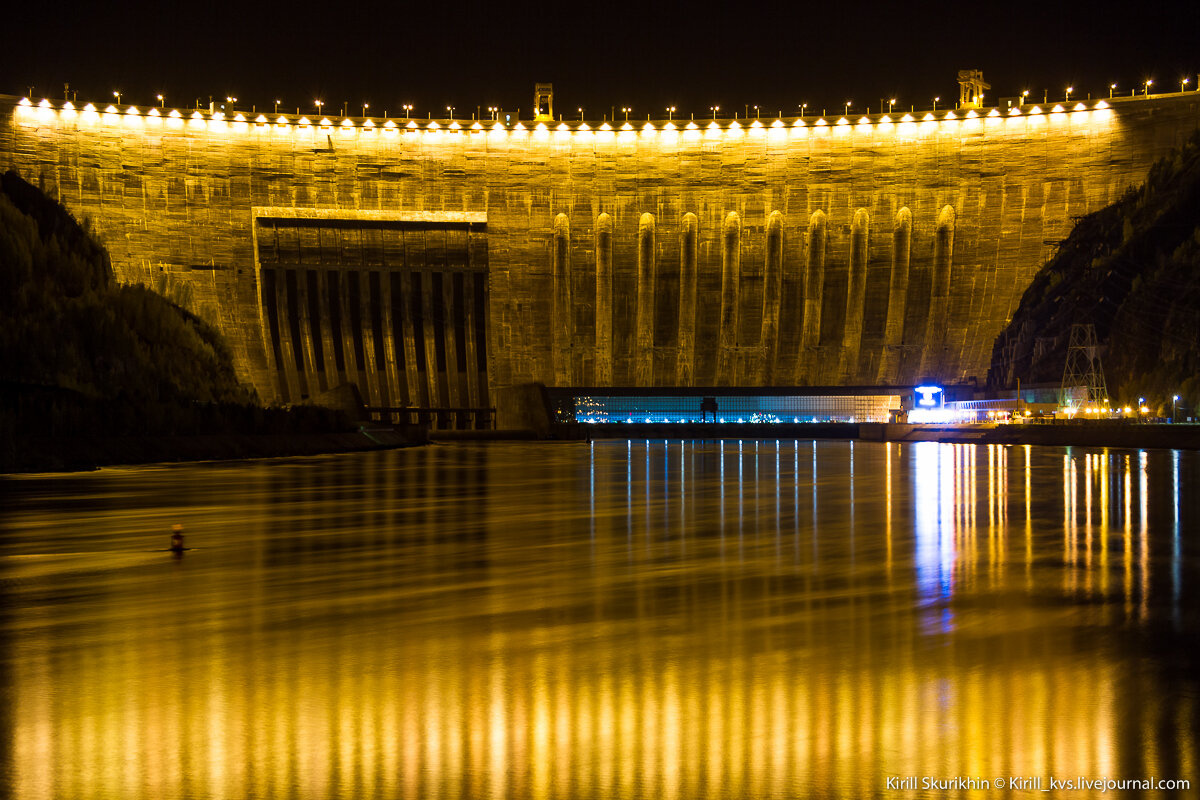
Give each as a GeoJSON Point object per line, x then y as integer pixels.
{"type": "Point", "coordinates": [1083, 376]}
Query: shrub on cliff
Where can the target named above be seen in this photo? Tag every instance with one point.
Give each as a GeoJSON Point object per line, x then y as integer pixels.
{"type": "Point", "coordinates": [1132, 269]}
{"type": "Point", "coordinates": [68, 324]}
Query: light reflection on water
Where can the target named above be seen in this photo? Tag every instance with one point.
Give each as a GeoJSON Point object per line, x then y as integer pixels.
{"type": "Point", "coordinates": [629, 619]}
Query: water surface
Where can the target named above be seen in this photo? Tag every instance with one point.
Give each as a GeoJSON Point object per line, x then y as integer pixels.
{"type": "Point", "coordinates": [623, 619]}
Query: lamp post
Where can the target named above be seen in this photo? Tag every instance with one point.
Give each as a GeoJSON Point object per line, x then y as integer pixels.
{"type": "Point", "coordinates": [803, 109]}
{"type": "Point", "coordinates": [162, 103]}
{"type": "Point", "coordinates": [407, 109]}
{"type": "Point", "coordinates": [492, 110]}
{"type": "Point", "coordinates": [318, 104]}
{"type": "Point", "coordinates": [714, 110]}
{"type": "Point", "coordinates": [1174, 401]}
{"type": "Point", "coordinates": [365, 107]}
{"type": "Point", "coordinates": [935, 102]}
{"type": "Point", "coordinates": [1068, 96]}
{"type": "Point", "coordinates": [580, 110]}
{"type": "Point", "coordinates": [891, 103]}
{"type": "Point", "coordinates": [847, 105]}
{"type": "Point", "coordinates": [1024, 97]}
{"type": "Point", "coordinates": [756, 112]}
{"type": "Point", "coordinates": [1149, 83]}
{"type": "Point", "coordinates": [670, 113]}
{"type": "Point", "coordinates": [277, 106]}
{"type": "Point", "coordinates": [450, 111]}
{"type": "Point", "coordinates": [1112, 87]}
{"type": "Point", "coordinates": [1183, 82]}
{"type": "Point", "coordinates": [625, 110]}
{"type": "Point", "coordinates": [116, 94]}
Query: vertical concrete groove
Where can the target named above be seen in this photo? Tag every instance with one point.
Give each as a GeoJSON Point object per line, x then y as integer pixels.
{"type": "Point", "coordinates": [731, 265]}
{"type": "Point", "coordinates": [933, 356]}
{"type": "Point", "coordinates": [296, 328]}
{"type": "Point", "coordinates": [856, 289]}
{"type": "Point", "coordinates": [396, 390]}
{"type": "Point", "coordinates": [685, 372]}
{"type": "Point", "coordinates": [644, 357]}
{"type": "Point", "coordinates": [603, 356]}
{"type": "Point", "coordinates": [451, 341]}
{"type": "Point", "coordinates": [286, 353]}
{"type": "Point", "coordinates": [814, 285]}
{"type": "Point", "coordinates": [468, 312]}
{"type": "Point", "coordinates": [312, 375]}
{"type": "Point", "coordinates": [404, 304]}
{"type": "Point", "coordinates": [428, 330]}
{"type": "Point", "coordinates": [331, 371]}
{"type": "Point", "coordinates": [562, 314]}
{"type": "Point", "coordinates": [893, 332]}
{"type": "Point", "coordinates": [366, 325]}
{"type": "Point", "coordinates": [349, 356]}
{"type": "Point", "coordinates": [772, 287]}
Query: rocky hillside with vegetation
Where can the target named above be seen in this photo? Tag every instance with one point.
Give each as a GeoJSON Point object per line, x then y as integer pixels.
{"type": "Point", "coordinates": [68, 324]}
{"type": "Point", "coordinates": [1132, 269]}
{"type": "Point", "coordinates": [85, 358]}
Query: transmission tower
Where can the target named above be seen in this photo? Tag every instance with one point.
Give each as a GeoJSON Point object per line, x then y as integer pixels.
{"type": "Point", "coordinates": [1083, 376]}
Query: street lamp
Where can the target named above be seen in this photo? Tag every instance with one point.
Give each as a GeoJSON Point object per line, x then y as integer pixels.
{"type": "Point", "coordinates": [714, 110]}
{"type": "Point", "coordinates": [407, 108]}
{"type": "Point", "coordinates": [670, 113]}
{"type": "Point", "coordinates": [161, 101]}
{"type": "Point", "coordinates": [1183, 82]}
{"type": "Point", "coordinates": [625, 110]}
{"type": "Point", "coordinates": [580, 110]}
{"type": "Point", "coordinates": [803, 109]}
{"type": "Point", "coordinates": [365, 107]}
{"type": "Point", "coordinates": [277, 102]}
{"type": "Point", "coordinates": [1069, 90]}
{"type": "Point", "coordinates": [492, 110]}
{"type": "Point", "coordinates": [450, 111]}
{"type": "Point", "coordinates": [756, 112]}
{"type": "Point", "coordinates": [1112, 87]}
{"type": "Point", "coordinates": [891, 103]}
{"type": "Point", "coordinates": [1024, 97]}
{"type": "Point", "coordinates": [847, 105]}
{"type": "Point", "coordinates": [935, 102]}
{"type": "Point", "coordinates": [1149, 83]}
{"type": "Point", "coordinates": [1174, 400]}
{"type": "Point", "coordinates": [319, 103]}
{"type": "Point", "coordinates": [116, 94]}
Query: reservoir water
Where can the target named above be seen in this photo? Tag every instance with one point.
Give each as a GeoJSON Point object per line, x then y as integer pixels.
{"type": "Point", "coordinates": [637, 619]}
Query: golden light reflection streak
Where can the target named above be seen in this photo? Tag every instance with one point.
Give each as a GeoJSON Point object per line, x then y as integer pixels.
{"type": "Point", "coordinates": [1068, 507]}
{"type": "Point", "coordinates": [1028, 516]}
{"type": "Point", "coordinates": [1144, 532]}
{"type": "Point", "coordinates": [498, 740]}
{"type": "Point", "coordinates": [887, 520]}
{"type": "Point", "coordinates": [1089, 474]}
{"type": "Point", "coordinates": [994, 451]}
{"type": "Point", "coordinates": [1128, 541]}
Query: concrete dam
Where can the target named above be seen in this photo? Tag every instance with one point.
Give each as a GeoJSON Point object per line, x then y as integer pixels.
{"type": "Point", "coordinates": [442, 263]}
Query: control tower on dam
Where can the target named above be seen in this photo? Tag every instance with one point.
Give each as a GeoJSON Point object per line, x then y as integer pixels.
{"type": "Point", "coordinates": [439, 263]}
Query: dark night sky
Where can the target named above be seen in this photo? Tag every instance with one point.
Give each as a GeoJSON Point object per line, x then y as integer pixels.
{"type": "Point", "coordinates": [648, 55]}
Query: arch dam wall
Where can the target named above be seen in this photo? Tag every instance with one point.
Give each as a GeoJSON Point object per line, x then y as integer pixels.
{"type": "Point", "coordinates": [439, 266]}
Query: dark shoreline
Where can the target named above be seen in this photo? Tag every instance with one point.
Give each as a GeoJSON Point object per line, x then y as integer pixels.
{"type": "Point", "coordinates": [89, 453]}
{"type": "Point", "coordinates": [79, 454]}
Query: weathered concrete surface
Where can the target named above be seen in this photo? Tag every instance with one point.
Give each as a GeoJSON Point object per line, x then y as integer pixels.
{"type": "Point", "coordinates": [899, 249]}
